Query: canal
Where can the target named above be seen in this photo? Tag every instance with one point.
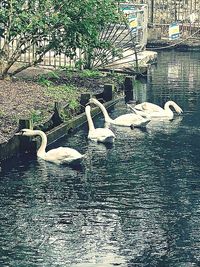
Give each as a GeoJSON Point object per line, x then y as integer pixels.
{"type": "Point", "coordinates": [136, 203]}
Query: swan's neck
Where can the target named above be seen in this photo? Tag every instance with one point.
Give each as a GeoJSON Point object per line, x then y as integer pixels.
{"type": "Point", "coordinates": [41, 151]}
{"type": "Point", "coordinates": [104, 111]}
{"type": "Point", "coordinates": [168, 104]}
{"type": "Point", "coordinates": [89, 119]}
{"type": "Point", "coordinates": [167, 109]}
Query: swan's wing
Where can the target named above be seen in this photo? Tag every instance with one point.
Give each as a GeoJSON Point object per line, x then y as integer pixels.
{"type": "Point", "coordinates": [104, 132]}
{"type": "Point", "coordinates": [148, 107]}
{"type": "Point", "coordinates": [132, 108]}
{"type": "Point", "coordinates": [63, 154]}
{"type": "Point", "coordinates": [101, 134]}
{"type": "Point", "coordinates": [131, 120]}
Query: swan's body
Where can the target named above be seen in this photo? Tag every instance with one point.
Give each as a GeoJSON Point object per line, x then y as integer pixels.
{"type": "Point", "coordinates": [58, 155]}
{"type": "Point", "coordinates": [155, 111]}
{"type": "Point", "coordinates": [131, 119]}
{"type": "Point", "coordinates": [103, 135]}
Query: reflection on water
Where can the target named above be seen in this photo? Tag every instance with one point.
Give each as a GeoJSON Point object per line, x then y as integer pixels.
{"type": "Point", "coordinates": [165, 126]}
{"type": "Point", "coordinates": [135, 203]}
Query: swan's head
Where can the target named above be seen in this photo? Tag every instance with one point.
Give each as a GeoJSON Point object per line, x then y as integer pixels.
{"type": "Point", "coordinates": [178, 110]}
{"type": "Point", "coordinates": [26, 132]}
{"type": "Point", "coordinates": [93, 101]}
{"type": "Point", "coordinates": [175, 106]}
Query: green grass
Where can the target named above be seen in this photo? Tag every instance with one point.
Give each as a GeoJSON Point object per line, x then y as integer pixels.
{"type": "Point", "coordinates": [44, 78]}
{"type": "Point", "coordinates": [36, 116]}
{"type": "Point", "coordinates": [67, 94]}
{"type": "Point", "coordinates": [2, 113]}
{"type": "Point", "coordinates": [61, 92]}
{"type": "Point", "coordinates": [90, 74]}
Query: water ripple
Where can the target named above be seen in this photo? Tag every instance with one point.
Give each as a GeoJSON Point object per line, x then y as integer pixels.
{"type": "Point", "coordinates": [136, 203]}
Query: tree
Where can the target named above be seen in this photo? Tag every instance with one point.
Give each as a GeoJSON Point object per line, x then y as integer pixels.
{"type": "Point", "coordinates": [44, 25]}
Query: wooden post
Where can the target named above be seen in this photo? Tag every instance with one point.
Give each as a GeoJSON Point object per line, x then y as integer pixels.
{"type": "Point", "coordinates": [152, 10]}
{"type": "Point", "coordinates": [84, 100]}
{"type": "Point", "coordinates": [25, 124]}
{"type": "Point", "coordinates": [128, 88]}
{"type": "Point", "coordinates": [26, 143]}
{"type": "Point", "coordinates": [108, 92]}
{"type": "Point", "coordinates": [56, 117]}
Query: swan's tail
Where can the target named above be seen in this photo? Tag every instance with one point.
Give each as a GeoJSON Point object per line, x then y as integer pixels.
{"type": "Point", "coordinates": [131, 108]}
{"type": "Point", "coordinates": [142, 124]}
{"type": "Point", "coordinates": [138, 112]}
{"type": "Point", "coordinates": [76, 160]}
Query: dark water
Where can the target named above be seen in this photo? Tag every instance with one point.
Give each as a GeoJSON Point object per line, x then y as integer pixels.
{"type": "Point", "coordinates": [134, 204]}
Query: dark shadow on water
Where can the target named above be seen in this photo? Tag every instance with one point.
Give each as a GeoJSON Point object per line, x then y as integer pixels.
{"type": "Point", "coordinates": [142, 129]}
{"type": "Point", "coordinates": [76, 165]}
{"type": "Point", "coordinates": [21, 162]}
{"type": "Point", "coordinates": [100, 145]}
{"type": "Point", "coordinates": [109, 145]}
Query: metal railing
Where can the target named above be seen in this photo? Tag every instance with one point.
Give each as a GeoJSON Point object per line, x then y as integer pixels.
{"type": "Point", "coordinates": [158, 14]}
{"type": "Point", "coordinates": [49, 59]}
{"type": "Point", "coordinates": [161, 13]}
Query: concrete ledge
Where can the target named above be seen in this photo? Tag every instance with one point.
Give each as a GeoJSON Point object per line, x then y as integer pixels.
{"type": "Point", "coordinates": [7, 149]}
{"type": "Point", "coordinates": [176, 45]}
{"type": "Point", "coordinates": [69, 126]}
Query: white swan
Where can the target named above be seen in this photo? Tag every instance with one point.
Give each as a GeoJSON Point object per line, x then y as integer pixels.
{"type": "Point", "coordinates": [103, 135]}
{"type": "Point", "coordinates": [155, 111]}
{"type": "Point", "coordinates": [58, 155]}
{"type": "Point", "coordinates": [131, 119]}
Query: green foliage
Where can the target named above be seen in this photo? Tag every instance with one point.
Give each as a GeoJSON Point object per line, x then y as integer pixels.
{"type": "Point", "coordinates": [53, 74]}
{"type": "Point", "coordinates": [44, 79]}
{"type": "Point", "coordinates": [36, 116]}
{"type": "Point", "coordinates": [117, 77]}
{"type": "Point", "coordinates": [90, 73]}
{"type": "Point", "coordinates": [61, 26]}
{"type": "Point", "coordinates": [69, 71]}
{"type": "Point", "coordinates": [73, 104]}
{"type": "Point", "coordinates": [79, 64]}
{"type": "Point", "coordinates": [59, 93]}
{"type": "Point", "coordinates": [66, 94]}
{"type": "Point", "coordinates": [2, 113]}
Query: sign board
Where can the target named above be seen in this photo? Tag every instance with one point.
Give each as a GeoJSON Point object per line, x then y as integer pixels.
{"type": "Point", "coordinates": [133, 23]}
{"type": "Point", "coordinates": [127, 9]}
{"type": "Point", "coordinates": [174, 31]}
{"type": "Point", "coordinates": [131, 14]}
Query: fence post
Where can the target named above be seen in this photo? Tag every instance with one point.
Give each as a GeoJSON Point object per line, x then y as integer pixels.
{"type": "Point", "coordinates": [26, 143]}
{"type": "Point", "coordinates": [25, 124]}
{"type": "Point", "coordinates": [152, 10]}
{"type": "Point", "coordinates": [84, 100]}
{"type": "Point", "coordinates": [128, 88]}
{"type": "Point", "coordinates": [108, 92]}
{"type": "Point", "coordinates": [56, 117]}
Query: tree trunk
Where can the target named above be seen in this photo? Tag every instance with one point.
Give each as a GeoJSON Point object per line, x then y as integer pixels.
{"type": "Point", "coordinates": [3, 69]}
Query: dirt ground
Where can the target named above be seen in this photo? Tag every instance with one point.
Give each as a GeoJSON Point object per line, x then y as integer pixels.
{"type": "Point", "coordinates": [18, 98]}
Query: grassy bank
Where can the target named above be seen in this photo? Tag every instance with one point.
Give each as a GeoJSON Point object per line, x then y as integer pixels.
{"type": "Point", "coordinates": [33, 93]}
